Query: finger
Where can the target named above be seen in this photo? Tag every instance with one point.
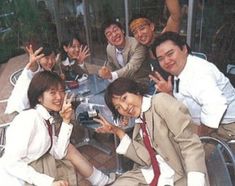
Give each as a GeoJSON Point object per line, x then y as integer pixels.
{"type": "Point", "coordinates": [65, 98]}
{"type": "Point", "coordinates": [153, 78]}
{"type": "Point", "coordinates": [57, 57]}
{"type": "Point", "coordinates": [29, 49]}
{"type": "Point", "coordinates": [39, 57]}
{"type": "Point", "coordinates": [159, 76]}
{"type": "Point", "coordinates": [71, 98]}
{"type": "Point", "coordinates": [38, 51]}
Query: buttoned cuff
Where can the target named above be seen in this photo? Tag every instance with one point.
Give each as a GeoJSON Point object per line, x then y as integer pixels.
{"type": "Point", "coordinates": [82, 65]}
{"type": "Point", "coordinates": [196, 179]}
{"type": "Point", "coordinates": [114, 76]}
{"type": "Point", "coordinates": [123, 145]}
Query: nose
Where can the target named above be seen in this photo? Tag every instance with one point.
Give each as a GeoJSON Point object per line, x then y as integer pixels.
{"type": "Point", "coordinates": [124, 106]}
{"type": "Point", "coordinates": [138, 33]}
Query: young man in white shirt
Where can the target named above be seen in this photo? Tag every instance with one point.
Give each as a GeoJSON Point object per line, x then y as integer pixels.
{"type": "Point", "coordinates": [208, 94]}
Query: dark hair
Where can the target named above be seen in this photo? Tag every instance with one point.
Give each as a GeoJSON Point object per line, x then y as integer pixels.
{"type": "Point", "coordinates": [110, 22]}
{"type": "Point", "coordinates": [47, 49]}
{"type": "Point", "coordinates": [119, 87]}
{"type": "Point", "coordinates": [41, 82]}
{"type": "Point", "coordinates": [68, 41]}
{"type": "Point", "coordinates": [172, 36]}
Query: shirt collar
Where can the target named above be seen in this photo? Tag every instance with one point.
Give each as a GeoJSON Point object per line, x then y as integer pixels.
{"type": "Point", "coordinates": [67, 62]}
{"type": "Point", "coordinates": [186, 68]}
{"type": "Point", "coordinates": [43, 112]}
{"type": "Point", "coordinates": [146, 104]}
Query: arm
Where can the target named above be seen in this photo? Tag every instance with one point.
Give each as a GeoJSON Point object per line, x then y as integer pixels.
{"type": "Point", "coordinates": [125, 146]}
{"type": "Point", "coordinates": [33, 58]}
{"type": "Point", "coordinates": [189, 143]}
{"type": "Point", "coordinates": [173, 22]}
{"type": "Point", "coordinates": [17, 157]}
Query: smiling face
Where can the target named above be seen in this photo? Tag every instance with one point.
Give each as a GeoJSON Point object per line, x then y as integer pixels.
{"type": "Point", "coordinates": [115, 36]}
{"type": "Point", "coordinates": [171, 57]}
{"type": "Point", "coordinates": [48, 62]}
{"type": "Point", "coordinates": [52, 99]}
{"type": "Point", "coordinates": [144, 33]}
{"type": "Point", "coordinates": [128, 104]}
{"type": "Point", "coordinates": [73, 49]}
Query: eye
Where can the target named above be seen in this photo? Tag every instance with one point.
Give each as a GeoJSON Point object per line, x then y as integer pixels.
{"type": "Point", "coordinates": [160, 59]}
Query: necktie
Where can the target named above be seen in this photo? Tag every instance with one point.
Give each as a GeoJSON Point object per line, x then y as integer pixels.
{"type": "Point", "coordinates": [49, 128]}
{"type": "Point", "coordinates": [177, 82]}
{"type": "Point", "coordinates": [152, 153]}
{"type": "Point", "coordinates": [120, 58]}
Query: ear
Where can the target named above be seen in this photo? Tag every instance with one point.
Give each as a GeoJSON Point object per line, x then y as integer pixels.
{"type": "Point", "coordinates": [152, 26]}
{"type": "Point", "coordinates": [65, 48]}
{"type": "Point", "coordinates": [185, 49]}
{"type": "Point", "coordinates": [40, 99]}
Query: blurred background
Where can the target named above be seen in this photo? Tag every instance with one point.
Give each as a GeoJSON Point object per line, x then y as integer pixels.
{"type": "Point", "coordinates": [208, 25]}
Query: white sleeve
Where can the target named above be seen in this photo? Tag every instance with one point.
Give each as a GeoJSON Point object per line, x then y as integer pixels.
{"type": "Point", "coordinates": [123, 145]}
{"type": "Point", "coordinates": [196, 179]}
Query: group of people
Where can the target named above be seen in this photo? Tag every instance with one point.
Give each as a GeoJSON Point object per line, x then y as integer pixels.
{"type": "Point", "coordinates": [164, 147]}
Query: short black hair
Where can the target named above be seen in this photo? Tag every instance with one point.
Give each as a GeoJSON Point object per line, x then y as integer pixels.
{"type": "Point", "coordinates": [41, 82]}
{"type": "Point", "coordinates": [172, 36]}
{"type": "Point", "coordinates": [119, 87]}
{"type": "Point", "coordinates": [47, 49]}
{"type": "Point", "coordinates": [68, 41]}
{"type": "Point", "coordinates": [110, 22]}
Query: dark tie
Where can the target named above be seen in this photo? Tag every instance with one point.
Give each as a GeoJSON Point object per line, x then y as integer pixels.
{"type": "Point", "coordinates": [177, 82]}
{"type": "Point", "coordinates": [49, 128]}
{"type": "Point", "coordinates": [152, 153]}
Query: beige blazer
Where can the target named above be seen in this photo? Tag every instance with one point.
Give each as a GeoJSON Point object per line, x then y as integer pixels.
{"type": "Point", "coordinates": [169, 124]}
{"type": "Point", "coordinates": [135, 59]}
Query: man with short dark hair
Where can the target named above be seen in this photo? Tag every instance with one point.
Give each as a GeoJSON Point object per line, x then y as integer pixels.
{"type": "Point", "coordinates": [125, 56]}
{"type": "Point", "coordinates": [207, 92]}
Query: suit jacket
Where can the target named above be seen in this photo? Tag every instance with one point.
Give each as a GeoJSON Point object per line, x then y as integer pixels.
{"type": "Point", "coordinates": [169, 124]}
{"type": "Point", "coordinates": [134, 55]}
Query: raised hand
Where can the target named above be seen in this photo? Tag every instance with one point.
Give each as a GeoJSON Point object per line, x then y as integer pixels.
{"type": "Point", "coordinates": [67, 111]}
{"type": "Point", "coordinates": [107, 127]}
{"type": "Point", "coordinates": [84, 52]}
{"type": "Point", "coordinates": [33, 57]}
{"type": "Point", "coordinates": [161, 84]}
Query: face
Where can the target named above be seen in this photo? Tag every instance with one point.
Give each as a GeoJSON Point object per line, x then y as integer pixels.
{"type": "Point", "coordinates": [48, 62]}
{"type": "Point", "coordinates": [73, 49]}
{"type": "Point", "coordinates": [128, 104]}
{"type": "Point", "coordinates": [115, 36]}
{"type": "Point", "coordinates": [52, 99]}
{"type": "Point", "coordinates": [171, 58]}
{"type": "Point", "coordinates": [144, 33]}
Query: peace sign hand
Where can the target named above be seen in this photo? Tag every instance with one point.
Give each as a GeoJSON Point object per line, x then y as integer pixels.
{"type": "Point", "coordinates": [33, 58]}
{"type": "Point", "coordinates": [67, 111]}
{"type": "Point", "coordinates": [161, 84]}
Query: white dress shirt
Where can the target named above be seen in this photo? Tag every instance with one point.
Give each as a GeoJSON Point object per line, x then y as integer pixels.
{"type": "Point", "coordinates": [206, 92]}
{"type": "Point", "coordinates": [167, 173]}
{"type": "Point", "coordinates": [18, 99]}
{"type": "Point", "coordinates": [27, 139]}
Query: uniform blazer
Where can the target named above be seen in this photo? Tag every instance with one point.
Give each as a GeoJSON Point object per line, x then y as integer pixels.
{"type": "Point", "coordinates": [168, 122]}
{"type": "Point", "coordinates": [135, 59]}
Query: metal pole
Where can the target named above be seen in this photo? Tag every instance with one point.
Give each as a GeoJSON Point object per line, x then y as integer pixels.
{"type": "Point", "coordinates": [87, 27]}
{"type": "Point", "coordinates": [126, 16]}
{"type": "Point", "coordinates": [190, 21]}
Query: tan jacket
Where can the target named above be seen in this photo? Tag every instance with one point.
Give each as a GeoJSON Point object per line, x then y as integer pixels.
{"type": "Point", "coordinates": [169, 124]}
{"type": "Point", "coordinates": [135, 60]}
